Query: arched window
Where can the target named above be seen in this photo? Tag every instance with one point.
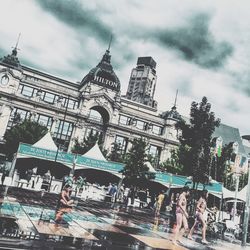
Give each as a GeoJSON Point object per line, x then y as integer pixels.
{"type": "Point", "coordinates": [95, 115]}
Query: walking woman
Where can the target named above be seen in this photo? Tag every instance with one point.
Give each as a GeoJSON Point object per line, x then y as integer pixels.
{"type": "Point", "coordinates": [199, 216]}
{"type": "Point", "coordinates": [181, 215]}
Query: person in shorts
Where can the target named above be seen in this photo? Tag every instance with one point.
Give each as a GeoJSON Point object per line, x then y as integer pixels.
{"type": "Point", "coordinates": [181, 215]}
{"type": "Point", "coordinates": [199, 216]}
{"type": "Point", "coordinates": [64, 204]}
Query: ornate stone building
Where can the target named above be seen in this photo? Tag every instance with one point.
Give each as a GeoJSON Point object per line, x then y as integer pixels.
{"type": "Point", "coordinates": [71, 110]}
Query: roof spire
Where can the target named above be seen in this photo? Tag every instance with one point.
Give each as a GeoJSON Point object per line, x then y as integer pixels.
{"type": "Point", "coordinates": [175, 100]}
{"type": "Point", "coordinates": [15, 49]}
{"type": "Point", "coordinates": [110, 41]}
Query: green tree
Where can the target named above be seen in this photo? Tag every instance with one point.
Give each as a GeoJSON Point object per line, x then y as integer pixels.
{"type": "Point", "coordinates": [196, 141]}
{"type": "Point", "coordinates": [220, 165]}
{"type": "Point", "coordinates": [135, 170]}
{"type": "Point", "coordinates": [27, 132]}
{"type": "Point", "coordinates": [221, 169]}
{"type": "Point", "coordinates": [172, 164]}
{"type": "Point", "coordinates": [87, 143]}
{"type": "Point", "coordinates": [116, 153]}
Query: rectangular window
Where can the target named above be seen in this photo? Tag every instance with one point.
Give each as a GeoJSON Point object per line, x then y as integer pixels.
{"type": "Point", "coordinates": [93, 131]}
{"type": "Point", "coordinates": [155, 152]}
{"type": "Point", "coordinates": [157, 130]}
{"type": "Point", "coordinates": [122, 142]}
{"type": "Point", "coordinates": [140, 124]}
{"type": "Point", "coordinates": [72, 104]}
{"type": "Point", "coordinates": [62, 134]}
{"type": "Point", "coordinates": [27, 91]}
{"type": "Point", "coordinates": [44, 120]}
{"type": "Point", "coordinates": [124, 120]}
{"type": "Point", "coordinates": [48, 97]}
{"type": "Point", "coordinates": [17, 115]}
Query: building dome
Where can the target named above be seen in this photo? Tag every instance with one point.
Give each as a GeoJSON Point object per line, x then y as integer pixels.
{"type": "Point", "coordinates": [103, 74]}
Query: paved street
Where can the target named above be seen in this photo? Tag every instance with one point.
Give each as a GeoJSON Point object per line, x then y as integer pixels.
{"type": "Point", "coordinates": [90, 225]}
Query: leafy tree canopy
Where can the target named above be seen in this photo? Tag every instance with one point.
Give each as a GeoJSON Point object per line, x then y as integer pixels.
{"type": "Point", "coordinates": [116, 153]}
{"type": "Point", "coordinates": [220, 165]}
{"type": "Point", "coordinates": [27, 132]}
{"type": "Point", "coordinates": [172, 165]}
{"type": "Point", "coordinates": [87, 143]}
{"type": "Point", "coordinates": [135, 169]}
{"type": "Point", "coordinates": [196, 140]}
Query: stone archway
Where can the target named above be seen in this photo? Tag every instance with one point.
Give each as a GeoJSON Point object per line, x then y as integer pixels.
{"type": "Point", "coordinates": [103, 113]}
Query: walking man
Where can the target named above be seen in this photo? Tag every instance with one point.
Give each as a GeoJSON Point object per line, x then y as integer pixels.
{"type": "Point", "coordinates": [181, 215]}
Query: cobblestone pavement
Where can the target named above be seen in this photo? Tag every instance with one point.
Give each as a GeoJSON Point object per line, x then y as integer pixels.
{"type": "Point", "coordinates": [27, 221]}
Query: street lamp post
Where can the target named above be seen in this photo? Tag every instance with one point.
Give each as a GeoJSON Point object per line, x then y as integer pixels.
{"type": "Point", "coordinates": [236, 194]}
{"type": "Point", "coordinates": [61, 130]}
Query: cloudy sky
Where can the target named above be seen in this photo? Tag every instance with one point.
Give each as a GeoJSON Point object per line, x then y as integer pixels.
{"type": "Point", "coordinates": [202, 48]}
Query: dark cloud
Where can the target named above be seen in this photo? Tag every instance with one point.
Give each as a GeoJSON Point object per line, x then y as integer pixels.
{"type": "Point", "coordinates": [195, 43]}
{"type": "Point", "coordinates": [73, 13]}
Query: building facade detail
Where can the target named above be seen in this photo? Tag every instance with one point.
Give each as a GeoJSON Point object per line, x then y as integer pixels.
{"type": "Point", "coordinates": [71, 110]}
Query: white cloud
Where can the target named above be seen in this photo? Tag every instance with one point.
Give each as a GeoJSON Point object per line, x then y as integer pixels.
{"type": "Point", "coordinates": [53, 45]}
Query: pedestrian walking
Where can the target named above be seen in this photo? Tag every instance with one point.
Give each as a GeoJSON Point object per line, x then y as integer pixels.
{"type": "Point", "coordinates": [131, 195]}
{"type": "Point", "coordinates": [125, 196]}
{"type": "Point", "coordinates": [142, 197]}
{"type": "Point", "coordinates": [181, 215]}
{"type": "Point", "coordinates": [112, 192]}
{"type": "Point", "coordinates": [120, 193]}
{"type": "Point", "coordinates": [109, 187]}
{"type": "Point", "coordinates": [159, 202]}
{"type": "Point", "coordinates": [199, 216]}
{"type": "Point", "coordinates": [174, 200]}
{"type": "Point", "coordinates": [4, 174]}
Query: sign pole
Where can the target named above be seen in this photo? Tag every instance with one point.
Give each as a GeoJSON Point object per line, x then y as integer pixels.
{"type": "Point", "coordinates": [235, 197]}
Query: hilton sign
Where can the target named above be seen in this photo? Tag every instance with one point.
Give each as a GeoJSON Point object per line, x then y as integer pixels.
{"type": "Point", "coordinates": [107, 83]}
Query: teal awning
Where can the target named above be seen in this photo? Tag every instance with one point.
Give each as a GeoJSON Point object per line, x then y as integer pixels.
{"type": "Point", "coordinates": [26, 150]}
{"type": "Point", "coordinates": [180, 181]}
{"type": "Point", "coordinates": [81, 162]}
